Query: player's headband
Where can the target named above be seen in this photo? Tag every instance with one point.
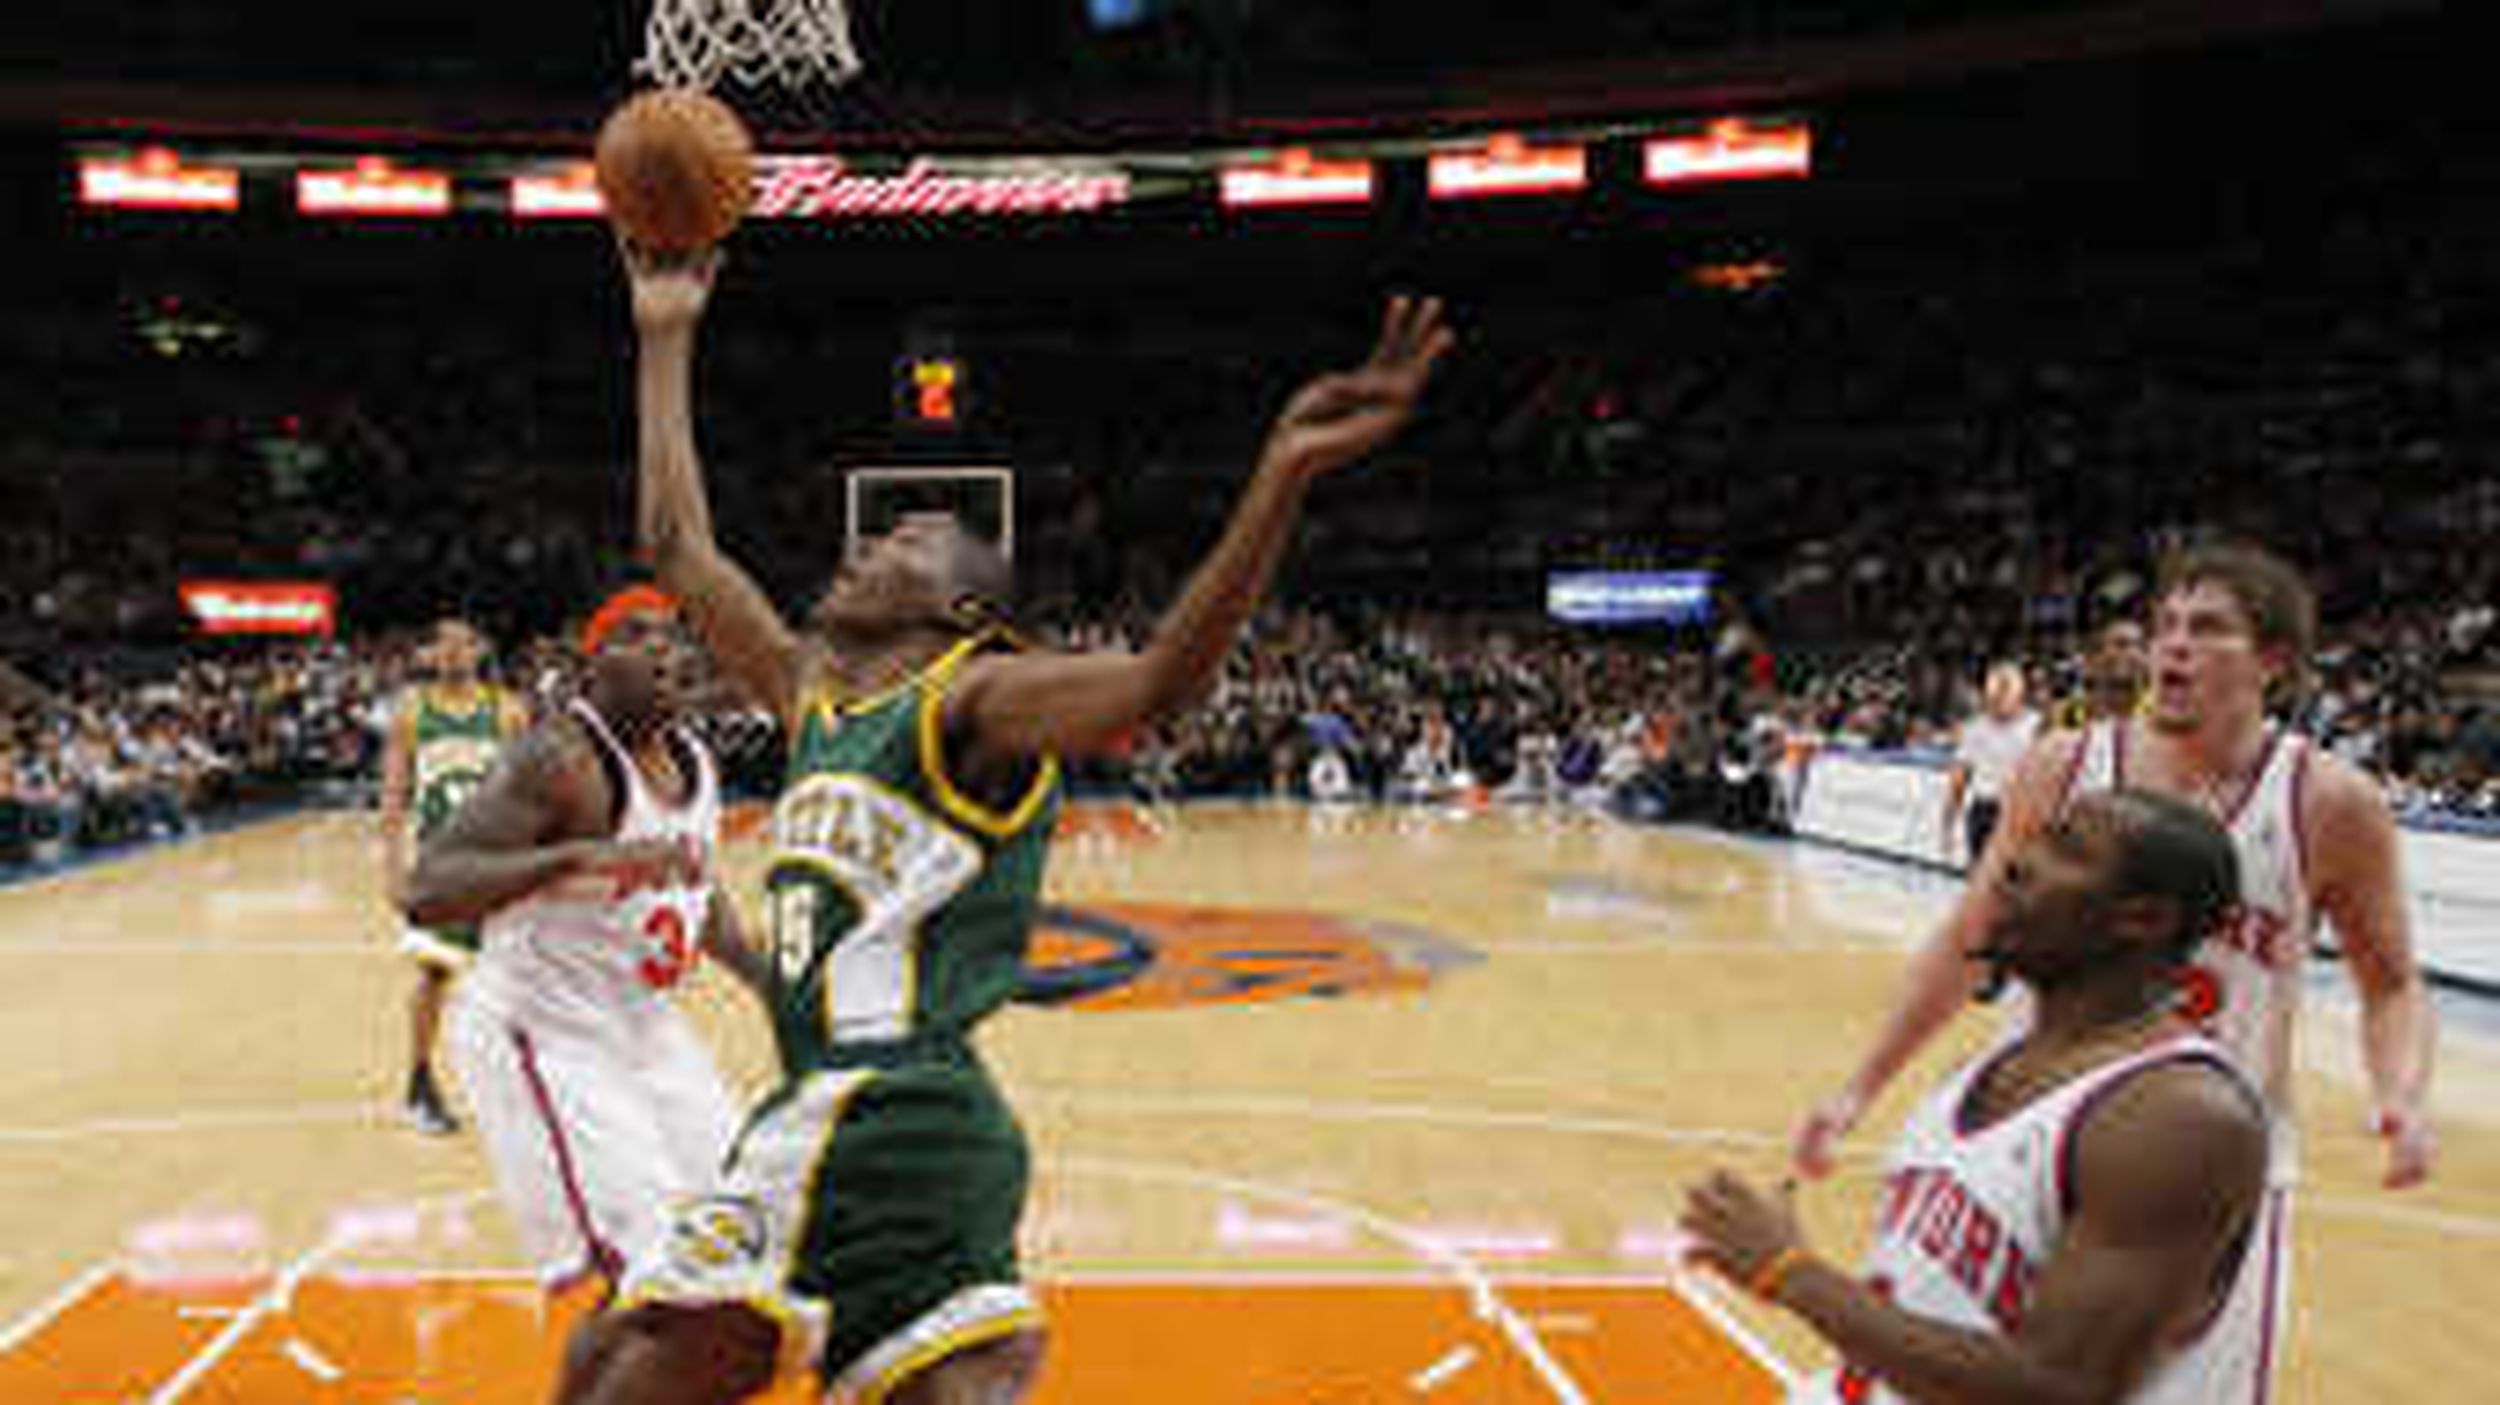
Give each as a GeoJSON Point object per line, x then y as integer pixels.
{"type": "Point", "coordinates": [624, 605]}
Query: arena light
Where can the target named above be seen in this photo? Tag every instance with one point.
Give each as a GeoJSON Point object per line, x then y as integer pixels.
{"type": "Point", "coordinates": [157, 179]}
{"type": "Point", "coordinates": [825, 187]}
{"type": "Point", "coordinates": [1731, 149]}
{"type": "Point", "coordinates": [1737, 277]}
{"type": "Point", "coordinates": [1297, 178]}
{"type": "Point", "coordinates": [1507, 165]}
{"type": "Point", "coordinates": [373, 186]}
{"type": "Point", "coordinates": [261, 607]}
{"type": "Point", "coordinates": [572, 193]}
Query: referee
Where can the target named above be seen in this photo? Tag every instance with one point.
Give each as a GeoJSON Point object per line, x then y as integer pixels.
{"type": "Point", "coordinates": [1984, 756]}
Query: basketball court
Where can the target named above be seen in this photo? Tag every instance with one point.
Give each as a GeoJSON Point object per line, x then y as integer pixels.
{"type": "Point", "coordinates": [1327, 1107]}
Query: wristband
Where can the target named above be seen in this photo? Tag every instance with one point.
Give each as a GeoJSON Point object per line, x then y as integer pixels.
{"type": "Point", "coordinates": [1766, 1281]}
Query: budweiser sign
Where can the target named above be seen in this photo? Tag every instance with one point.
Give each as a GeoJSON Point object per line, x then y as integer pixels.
{"type": "Point", "coordinates": [156, 179]}
{"type": "Point", "coordinates": [822, 187]}
{"type": "Point", "coordinates": [261, 607]}
{"type": "Point", "coordinates": [1731, 150]}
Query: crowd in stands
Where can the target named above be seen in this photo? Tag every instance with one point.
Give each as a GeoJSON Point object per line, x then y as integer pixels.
{"type": "Point", "coordinates": [1332, 709]}
{"type": "Point", "coordinates": [112, 756]}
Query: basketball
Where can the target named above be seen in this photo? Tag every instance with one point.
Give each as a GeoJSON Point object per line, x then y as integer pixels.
{"type": "Point", "coordinates": [676, 169]}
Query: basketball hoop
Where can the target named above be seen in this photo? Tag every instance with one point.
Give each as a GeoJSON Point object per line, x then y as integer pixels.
{"type": "Point", "coordinates": [754, 44]}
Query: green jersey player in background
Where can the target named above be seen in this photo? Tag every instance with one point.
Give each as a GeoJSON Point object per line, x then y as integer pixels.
{"type": "Point", "coordinates": [445, 732]}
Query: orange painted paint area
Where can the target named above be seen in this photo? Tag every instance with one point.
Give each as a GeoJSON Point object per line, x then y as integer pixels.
{"type": "Point", "coordinates": [485, 1341]}
{"type": "Point", "coordinates": [1252, 1344]}
{"type": "Point", "coordinates": [121, 1340]}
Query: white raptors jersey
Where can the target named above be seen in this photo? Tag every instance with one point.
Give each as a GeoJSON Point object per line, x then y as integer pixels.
{"type": "Point", "coordinates": [2244, 988]}
{"type": "Point", "coordinates": [1970, 1214]}
{"type": "Point", "coordinates": [577, 953]}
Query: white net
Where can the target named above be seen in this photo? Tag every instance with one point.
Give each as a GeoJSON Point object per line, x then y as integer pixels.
{"type": "Point", "coordinates": [754, 44]}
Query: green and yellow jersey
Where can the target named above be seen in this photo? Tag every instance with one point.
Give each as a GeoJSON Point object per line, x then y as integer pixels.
{"type": "Point", "coordinates": [453, 736]}
{"type": "Point", "coordinates": [900, 907]}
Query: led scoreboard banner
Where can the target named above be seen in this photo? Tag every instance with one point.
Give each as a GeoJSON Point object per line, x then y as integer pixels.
{"type": "Point", "coordinates": [372, 186]}
{"type": "Point", "coordinates": [262, 607]}
{"type": "Point", "coordinates": [1297, 179]}
{"type": "Point", "coordinates": [157, 179]}
{"type": "Point", "coordinates": [1630, 597]}
{"type": "Point", "coordinates": [831, 187]}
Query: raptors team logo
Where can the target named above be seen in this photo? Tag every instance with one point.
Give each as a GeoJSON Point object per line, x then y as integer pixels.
{"type": "Point", "coordinates": [1132, 956]}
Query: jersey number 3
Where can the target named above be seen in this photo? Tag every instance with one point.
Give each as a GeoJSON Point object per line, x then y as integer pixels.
{"type": "Point", "coordinates": [670, 950]}
{"type": "Point", "coordinates": [2199, 997]}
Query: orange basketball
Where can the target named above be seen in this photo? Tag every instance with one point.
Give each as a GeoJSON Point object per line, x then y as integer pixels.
{"type": "Point", "coordinates": [676, 168]}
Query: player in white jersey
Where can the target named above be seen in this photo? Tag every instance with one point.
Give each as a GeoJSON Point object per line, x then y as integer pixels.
{"type": "Point", "coordinates": [2315, 839]}
{"type": "Point", "coordinates": [589, 856]}
{"type": "Point", "coordinates": [2064, 1219]}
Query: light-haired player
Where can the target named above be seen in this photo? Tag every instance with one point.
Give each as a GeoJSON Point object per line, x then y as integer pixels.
{"type": "Point", "coordinates": [445, 732]}
{"type": "Point", "coordinates": [2232, 624]}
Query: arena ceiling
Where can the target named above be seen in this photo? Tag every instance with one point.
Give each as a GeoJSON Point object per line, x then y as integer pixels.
{"type": "Point", "coordinates": [445, 68]}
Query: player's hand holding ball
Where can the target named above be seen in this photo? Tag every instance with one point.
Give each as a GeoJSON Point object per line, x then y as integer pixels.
{"type": "Point", "coordinates": [670, 289]}
{"type": "Point", "coordinates": [676, 171]}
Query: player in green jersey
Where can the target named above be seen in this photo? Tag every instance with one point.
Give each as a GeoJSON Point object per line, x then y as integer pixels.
{"type": "Point", "coordinates": [864, 1225]}
{"type": "Point", "coordinates": [445, 732]}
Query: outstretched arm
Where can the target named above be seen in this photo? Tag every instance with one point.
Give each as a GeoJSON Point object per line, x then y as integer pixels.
{"type": "Point", "coordinates": [2355, 872]}
{"type": "Point", "coordinates": [1031, 705]}
{"type": "Point", "coordinates": [674, 518]}
{"type": "Point", "coordinates": [1942, 976]}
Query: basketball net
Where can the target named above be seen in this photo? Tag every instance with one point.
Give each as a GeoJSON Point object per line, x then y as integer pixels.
{"type": "Point", "coordinates": [759, 45]}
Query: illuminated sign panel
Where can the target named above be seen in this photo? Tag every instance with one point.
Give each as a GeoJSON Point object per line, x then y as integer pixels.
{"type": "Point", "coordinates": [933, 384]}
{"type": "Point", "coordinates": [372, 186]}
{"type": "Point", "coordinates": [572, 193]}
{"type": "Point", "coordinates": [261, 607]}
{"type": "Point", "coordinates": [824, 187]}
{"type": "Point", "coordinates": [1295, 178]}
{"type": "Point", "coordinates": [1730, 150]}
{"type": "Point", "coordinates": [156, 179]}
{"type": "Point", "coordinates": [1508, 166]}
{"type": "Point", "coordinates": [1630, 597]}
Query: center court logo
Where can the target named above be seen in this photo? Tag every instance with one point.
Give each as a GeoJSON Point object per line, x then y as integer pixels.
{"type": "Point", "coordinates": [1152, 956]}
